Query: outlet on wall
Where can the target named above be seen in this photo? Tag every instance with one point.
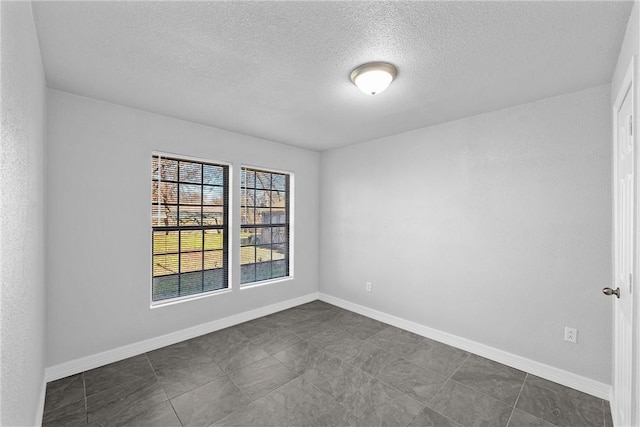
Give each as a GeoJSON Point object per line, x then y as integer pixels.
{"type": "Point", "coordinates": [571, 334]}
{"type": "Point", "coordinates": [368, 287]}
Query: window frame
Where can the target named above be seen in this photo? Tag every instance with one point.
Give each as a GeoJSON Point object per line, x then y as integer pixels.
{"type": "Point", "coordinates": [226, 227]}
{"type": "Point", "coordinates": [289, 225]}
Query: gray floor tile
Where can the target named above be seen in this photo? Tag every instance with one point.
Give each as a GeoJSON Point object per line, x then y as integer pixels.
{"type": "Point", "coordinates": [372, 359]}
{"type": "Point", "coordinates": [608, 420]}
{"type": "Point", "coordinates": [261, 377]}
{"type": "Point", "coordinates": [559, 405]}
{"type": "Point", "coordinates": [337, 378]}
{"type": "Point", "coordinates": [71, 415]}
{"type": "Point", "coordinates": [301, 356]}
{"type": "Point", "coordinates": [356, 325]}
{"type": "Point", "coordinates": [63, 392]}
{"type": "Point", "coordinates": [257, 413]}
{"type": "Point", "coordinates": [180, 379]}
{"type": "Point", "coordinates": [337, 417]}
{"type": "Point", "coordinates": [221, 342]}
{"type": "Point", "coordinates": [275, 340]}
{"type": "Point", "coordinates": [290, 317]}
{"type": "Point", "coordinates": [496, 380]}
{"type": "Point", "coordinates": [329, 315]}
{"type": "Point", "coordinates": [430, 418]}
{"type": "Point", "coordinates": [209, 403]}
{"type": "Point", "coordinates": [381, 405]}
{"type": "Point", "coordinates": [522, 419]}
{"type": "Point", "coordinates": [420, 383]}
{"type": "Point", "coordinates": [181, 354]}
{"type": "Point", "coordinates": [256, 327]}
{"type": "Point", "coordinates": [238, 356]}
{"type": "Point", "coordinates": [118, 405]}
{"type": "Point", "coordinates": [118, 373]}
{"type": "Point", "coordinates": [436, 356]}
{"type": "Point", "coordinates": [559, 388]}
{"type": "Point", "coordinates": [470, 407]}
{"type": "Point", "coordinates": [161, 415]}
{"type": "Point", "coordinates": [307, 328]}
{"type": "Point", "coordinates": [396, 340]}
{"type": "Point", "coordinates": [297, 403]}
{"type": "Point", "coordinates": [316, 306]}
{"type": "Point", "coordinates": [338, 343]}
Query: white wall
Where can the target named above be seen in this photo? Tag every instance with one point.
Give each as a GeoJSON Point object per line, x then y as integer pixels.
{"type": "Point", "coordinates": [99, 183]}
{"type": "Point", "coordinates": [495, 228]}
{"type": "Point", "coordinates": [22, 202]}
{"type": "Point", "coordinates": [628, 49]}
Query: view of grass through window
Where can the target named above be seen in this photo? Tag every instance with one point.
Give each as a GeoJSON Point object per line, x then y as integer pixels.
{"type": "Point", "coordinates": [190, 227]}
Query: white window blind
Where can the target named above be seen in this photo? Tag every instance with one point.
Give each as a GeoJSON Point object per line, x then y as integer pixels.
{"type": "Point", "coordinates": [190, 233]}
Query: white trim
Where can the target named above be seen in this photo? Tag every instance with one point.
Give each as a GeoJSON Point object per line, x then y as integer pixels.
{"type": "Point", "coordinates": [188, 158]}
{"type": "Point", "coordinates": [76, 366]}
{"type": "Point", "coordinates": [178, 300]}
{"type": "Point", "coordinates": [627, 87]}
{"type": "Point", "coordinates": [542, 370]}
{"type": "Point", "coordinates": [252, 285]}
{"type": "Point", "coordinates": [40, 410]}
{"type": "Point", "coordinates": [635, 361]}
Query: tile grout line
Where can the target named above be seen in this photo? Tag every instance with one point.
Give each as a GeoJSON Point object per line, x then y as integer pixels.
{"type": "Point", "coordinates": [86, 405]}
{"type": "Point", "coordinates": [175, 413]}
{"type": "Point", "coordinates": [153, 369]}
{"type": "Point", "coordinates": [264, 395]}
{"type": "Point", "coordinates": [230, 378]}
{"type": "Point", "coordinates": [211, 422]}
{"type": "Point", "coordinates": [332, 398]}
{"type": "Point", "coordinates": [458, 368]}
{"type": "Point", "coordinates": [517, 398]}
{"type": "Point", "coordinates": [450, 378]}
{"type": "Point", "coordinates": [155, 375]}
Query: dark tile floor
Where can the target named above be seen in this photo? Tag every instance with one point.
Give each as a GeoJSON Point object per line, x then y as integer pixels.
{"type": "Point", "coordinates": [314, 365]}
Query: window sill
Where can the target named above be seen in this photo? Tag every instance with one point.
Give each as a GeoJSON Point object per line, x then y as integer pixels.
{"type": "Point", "coordinates": [172, 301]}
{"type": "Point", "coordinates": [265, 282]}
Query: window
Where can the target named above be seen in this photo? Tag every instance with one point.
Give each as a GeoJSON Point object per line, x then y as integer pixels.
{"type": "Point", "coordinates": [264, 234]}
{"type": "Point", "coordinates": [189, 227]}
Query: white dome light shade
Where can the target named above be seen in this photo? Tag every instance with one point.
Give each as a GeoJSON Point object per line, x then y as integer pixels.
{"type": "Point", "coordinates": [374, 77]}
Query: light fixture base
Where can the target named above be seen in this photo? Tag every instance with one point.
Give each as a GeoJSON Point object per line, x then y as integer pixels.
{"type": "Point", "coordinates": [373, 77]}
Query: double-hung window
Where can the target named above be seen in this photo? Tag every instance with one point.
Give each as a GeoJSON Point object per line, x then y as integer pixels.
{"type": "Point", "coordinates": [265, 220]}
{"type": "Point", "coordinates": [190, 236]}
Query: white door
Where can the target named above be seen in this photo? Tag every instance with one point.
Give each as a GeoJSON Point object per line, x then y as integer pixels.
{"type": "Point", "coordinates": [623, 252]}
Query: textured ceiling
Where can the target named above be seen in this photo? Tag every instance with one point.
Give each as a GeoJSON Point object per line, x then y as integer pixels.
{"type": "Point", "coordinates": [280, 70]}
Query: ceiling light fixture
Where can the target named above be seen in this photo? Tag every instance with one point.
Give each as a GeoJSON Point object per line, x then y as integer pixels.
{"type": "Point", "coordinates": [373, 77]}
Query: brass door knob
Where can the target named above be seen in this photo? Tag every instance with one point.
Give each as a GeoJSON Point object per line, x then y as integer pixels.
{"type": "Point", "coordinates": [609, 291]}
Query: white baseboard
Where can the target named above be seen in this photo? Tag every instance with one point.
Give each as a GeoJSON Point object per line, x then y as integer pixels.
{"type": "Point", "coordinates": [40, 410]}
{"type": "Point", "coordinates": [76, 366]}
{"type": "Point", "coordinates": [578, 382]}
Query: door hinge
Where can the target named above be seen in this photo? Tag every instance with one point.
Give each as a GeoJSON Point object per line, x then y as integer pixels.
{"type": "Point", "coordinates": [630, 125]}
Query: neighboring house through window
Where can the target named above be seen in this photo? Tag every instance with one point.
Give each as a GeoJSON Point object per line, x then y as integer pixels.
{"type": "Point", "coordinates": [265, 222]}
